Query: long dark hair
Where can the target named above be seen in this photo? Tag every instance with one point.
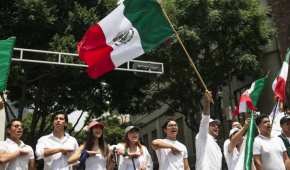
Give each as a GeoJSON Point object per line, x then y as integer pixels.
{"type": "Point", "coordinates": [90, 141]}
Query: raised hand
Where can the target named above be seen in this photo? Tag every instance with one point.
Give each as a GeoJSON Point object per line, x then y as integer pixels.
{"type": "Point", "coordinates": [206, 101]}
{"type": "Point", "coordinates": [247, 123]}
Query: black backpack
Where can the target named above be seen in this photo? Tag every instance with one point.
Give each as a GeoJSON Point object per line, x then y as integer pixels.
{"type": "Point", "coordinates": [286, 143]}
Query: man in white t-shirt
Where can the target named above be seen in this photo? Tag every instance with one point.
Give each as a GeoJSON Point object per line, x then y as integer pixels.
{"type": "Point", "coordinates": [232, 152]}
{"type": "Point", "coordinates": [14, 154]}
{"type": "Point", "coordinates": [269, 152]}
{"type": "Point", "coordinates": [171, 154]}
{"type": "Point", "coordinates": [208, 152]}
{"type": "Point", "coordinates": [56, 147]}
{"type": "Point", "coordinates": [235, 124]}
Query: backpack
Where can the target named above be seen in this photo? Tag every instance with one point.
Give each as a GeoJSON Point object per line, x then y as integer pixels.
{"type": "Point", "coordinates": [286, 143]}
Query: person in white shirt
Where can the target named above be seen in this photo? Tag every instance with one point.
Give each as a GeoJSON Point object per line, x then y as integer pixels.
{"type": "Point", "coordinates": [171, 154]}
{"type": "Point", "coordinates": [285, 135]}
{"type": "Point", "coordinates": [232, 152]}
{"type": "Point", "coordinates": [235, 124]}
{"type": "Point", "coordinates": [94, 153]}
{"type": "Point", "coordinates": [133, 155]}
{"type": "Point", "coordinates": [208, 152]}
{"type": "Point", "coordinates": [56, 147]}
{"type": "Point", "coordinates": [14, 154]}
{"type": "Point", "coordinates": [269, 152]}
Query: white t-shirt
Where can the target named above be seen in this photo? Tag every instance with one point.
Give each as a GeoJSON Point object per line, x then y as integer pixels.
{"type": "Point", "coordinates": [144, 160]}
{"type": "Point", "coordinates": [56, 161]}
{"type": "Point", "coordinates": [233, 158]}
{"type": "Point", "coordinates": [21, 162]}
{"type": "Point", "coordinates": [271, 151]}
{"type": "Point", "coordinates": [167, 160]}
{"type": "Point", "coordinates": [226, 150]}
{"type": "Point", "coordinates": [96, 162]}
{"type": "Point", "coordinates": [208, 152]}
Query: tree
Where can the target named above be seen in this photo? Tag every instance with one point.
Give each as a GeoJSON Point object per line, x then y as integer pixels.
{"type": "Point", "coordinates": [224, 39]}
{"type": "Point", "coordinates": [46, 89]}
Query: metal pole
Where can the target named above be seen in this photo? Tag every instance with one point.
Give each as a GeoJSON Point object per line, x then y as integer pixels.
{"type": "Point", "coordinates": [2, 120]}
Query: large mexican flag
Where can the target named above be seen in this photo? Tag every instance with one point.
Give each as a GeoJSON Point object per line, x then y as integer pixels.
{"type": "Point", "coordinates": [133, 28]}
{"type": "Point", "coordinates": [6, 50]}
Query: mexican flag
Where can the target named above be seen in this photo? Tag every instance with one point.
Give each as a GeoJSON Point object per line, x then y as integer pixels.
{"type": "Point", "coordinates": [279, 84]}
{"type": "Point", "coordinates": [132, 29]}
{"type": "Point", "coordinates": [246, 150]}
{"type": "Point", "coordinates": [6, 50]}
{"type": "Point", "coordinates": [249, 98]}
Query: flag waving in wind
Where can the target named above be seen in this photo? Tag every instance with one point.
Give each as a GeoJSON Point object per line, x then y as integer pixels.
{"type": "Point", "coordinates": [279, 84]}
{"type": "Point", "coordinates": [249, 98]}
{"type": "Point", "coordinates": [133, 28]}
{"type": "Point", "coordinates": [6, 50]}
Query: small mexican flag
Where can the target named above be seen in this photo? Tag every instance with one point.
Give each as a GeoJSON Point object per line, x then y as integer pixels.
{"type": "Point", "coordinates": [249, 98]}
{"type": "Point", "coordinates": [6, 50]}
{"type": "Point", "coordinates": [279, 84]}
{"type": "Point", "coordinates": [133, 28]}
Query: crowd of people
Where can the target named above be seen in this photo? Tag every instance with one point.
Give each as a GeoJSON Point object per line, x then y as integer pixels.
{"type": "Point", "coordinates": [60, 151]}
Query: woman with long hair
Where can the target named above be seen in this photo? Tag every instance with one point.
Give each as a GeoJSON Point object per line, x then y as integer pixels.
{"type": "Point", "coordinates": [94, 153]}
{"type": "Point", "coordinates": [133, 155]}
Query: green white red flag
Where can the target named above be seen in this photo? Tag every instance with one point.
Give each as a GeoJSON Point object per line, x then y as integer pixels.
{"type": "Point", "coordinates": [130, 30]}
{"type": "Point", "coordinates": [279, 84]}
{"type": "Point", "coordinates": [249, 98]}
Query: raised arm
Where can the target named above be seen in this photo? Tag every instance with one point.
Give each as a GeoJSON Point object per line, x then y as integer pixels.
{"type": "Point", "coordinates": [203, 127]}
{"type": "Point", "coordinates": [236, 138]}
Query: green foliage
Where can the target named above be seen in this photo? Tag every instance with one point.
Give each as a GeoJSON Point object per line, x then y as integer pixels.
{"type": "Point", "coordinates": [114, 131]}
{"type": "Point", "coordinates": [224, 38]}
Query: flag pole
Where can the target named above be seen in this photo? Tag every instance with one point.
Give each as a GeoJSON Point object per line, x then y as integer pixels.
{"type": "Point", "coordinates": [184, 49]}
{"type": "Point", "coordinates": [274, 114]}
{"type": "Point", "coordinates": [249, 143]}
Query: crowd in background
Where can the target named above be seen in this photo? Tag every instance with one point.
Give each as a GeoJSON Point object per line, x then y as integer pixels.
{"type": "Point", "coordinates": [60, 151]}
